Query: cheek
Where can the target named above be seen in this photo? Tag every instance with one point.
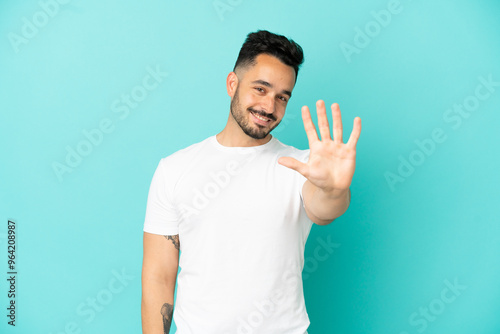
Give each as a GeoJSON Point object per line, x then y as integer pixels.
{"type": "Point", "coordinates": [280, 112]}
{"type": "Point", "coordinates": [252, 100]}
{"type": "Point", "coordinates": [245, 101]}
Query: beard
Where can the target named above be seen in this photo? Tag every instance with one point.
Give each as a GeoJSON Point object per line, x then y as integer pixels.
{"type": "Point", "coordinates": [255, 131]}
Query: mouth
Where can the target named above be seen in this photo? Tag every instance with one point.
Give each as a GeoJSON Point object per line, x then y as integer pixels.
{"type": "Point", "coordinates": [259, 119]}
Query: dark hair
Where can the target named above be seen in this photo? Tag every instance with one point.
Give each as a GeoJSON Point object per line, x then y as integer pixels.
{"type": "Point", "coordinates": [262, 41]}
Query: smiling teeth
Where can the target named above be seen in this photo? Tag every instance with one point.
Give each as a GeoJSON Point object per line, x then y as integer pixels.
{"type": "Point", "coordinates": [259, 117]}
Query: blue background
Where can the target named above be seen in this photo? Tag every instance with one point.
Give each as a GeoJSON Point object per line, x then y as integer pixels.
{"type": "Point", "coordinates": [400, 242]}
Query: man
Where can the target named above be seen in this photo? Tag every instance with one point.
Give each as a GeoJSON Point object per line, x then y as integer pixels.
{"type": "Point", "coordinates": [239, 206]}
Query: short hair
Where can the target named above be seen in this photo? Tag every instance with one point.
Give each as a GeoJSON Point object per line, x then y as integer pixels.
{"type": "Point", "coordinates": [263, 41]}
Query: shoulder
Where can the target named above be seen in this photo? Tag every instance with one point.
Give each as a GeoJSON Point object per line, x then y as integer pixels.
{"type": "Point", "coordinates": [184, 155]}
{"type": "Point", "coordinates": [188, 151]}
{"type": "Point", "coordinates": [291, 151]}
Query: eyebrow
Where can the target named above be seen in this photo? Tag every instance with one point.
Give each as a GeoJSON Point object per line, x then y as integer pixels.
{"type": "Point", "coordinates": [267, 84]}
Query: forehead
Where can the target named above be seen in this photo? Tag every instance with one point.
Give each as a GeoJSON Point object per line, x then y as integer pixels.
{"type": "Point", "coordinates": [270, 69]}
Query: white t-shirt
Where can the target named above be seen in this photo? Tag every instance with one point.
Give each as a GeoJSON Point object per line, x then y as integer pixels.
{"type": "Point", "coordinates": [242, 230]}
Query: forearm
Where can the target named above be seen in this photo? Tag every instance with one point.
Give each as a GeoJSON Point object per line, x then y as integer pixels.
{"type": "Point", "coordinates": [157, 306]}
{"type": "Point", "coordinates": [324, 207]}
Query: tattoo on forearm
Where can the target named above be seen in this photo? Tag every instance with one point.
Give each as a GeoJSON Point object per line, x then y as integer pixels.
{"type": "Point", "coordinates": [166, 312]}
{"type": "Point", "coordinates": [175, 240]}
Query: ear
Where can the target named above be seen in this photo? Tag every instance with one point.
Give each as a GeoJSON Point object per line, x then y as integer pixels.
{"type": "Point", "coordinates": [231, 84]}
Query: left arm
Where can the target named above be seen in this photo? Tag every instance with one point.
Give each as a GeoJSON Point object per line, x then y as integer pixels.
{"type": "Point", "coordinates": [322, 208]}
{"type": "Point", "coordinates": [330, 167]}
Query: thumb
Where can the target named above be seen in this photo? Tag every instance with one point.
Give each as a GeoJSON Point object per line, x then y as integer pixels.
{"type": "Point", "coordinates": [293, 163]}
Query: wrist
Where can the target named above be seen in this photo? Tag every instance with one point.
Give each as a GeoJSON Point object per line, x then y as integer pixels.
{"type": "Point", "coordinates": [334, 193]}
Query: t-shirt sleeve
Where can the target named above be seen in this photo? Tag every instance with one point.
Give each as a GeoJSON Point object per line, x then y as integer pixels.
{"type": "Point", "coordinates": [161, 215]}
{"type": "Point", "coordinates": [303, 157]}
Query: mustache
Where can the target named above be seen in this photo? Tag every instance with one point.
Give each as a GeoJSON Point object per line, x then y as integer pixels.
{"type": "Point", "coordinates": [261, 113]}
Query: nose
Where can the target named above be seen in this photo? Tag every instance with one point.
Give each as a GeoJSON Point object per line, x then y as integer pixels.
{"type": "Point", "coordinates": [268, 104]}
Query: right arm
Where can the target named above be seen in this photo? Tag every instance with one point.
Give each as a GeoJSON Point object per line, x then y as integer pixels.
{"type": "Point", "coordinates": [159, 273]}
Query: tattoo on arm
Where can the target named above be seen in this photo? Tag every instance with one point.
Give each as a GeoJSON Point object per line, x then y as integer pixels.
{"type": "Point", "coordinates": [167, 311]}
{"type": "Point", "coordinates": [175, 240]}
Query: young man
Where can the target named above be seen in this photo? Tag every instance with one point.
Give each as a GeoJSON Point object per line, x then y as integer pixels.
{"type": "Point", "coordinates": [239, 206]}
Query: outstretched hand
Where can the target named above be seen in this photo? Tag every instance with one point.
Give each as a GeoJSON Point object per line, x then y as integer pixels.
{"type": "Point", "coordinates": [331, 162]}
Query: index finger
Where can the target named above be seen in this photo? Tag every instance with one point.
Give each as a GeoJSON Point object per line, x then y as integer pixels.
{"type": "Point", "coordinates": [312, 135]}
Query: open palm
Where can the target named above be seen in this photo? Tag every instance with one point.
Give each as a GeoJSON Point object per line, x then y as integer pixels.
{"type": "Point", "coordinates": [331, 163]}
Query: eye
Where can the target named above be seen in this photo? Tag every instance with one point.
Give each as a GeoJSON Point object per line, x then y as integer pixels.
{"type": "Point", "coordinates": [260, 89]}
{"type": "Point", "coordinates": [282, 98]}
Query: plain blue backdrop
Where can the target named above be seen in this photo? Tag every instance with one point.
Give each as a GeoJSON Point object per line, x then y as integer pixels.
{"type": "Point", "coordinates": [416, 252]}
